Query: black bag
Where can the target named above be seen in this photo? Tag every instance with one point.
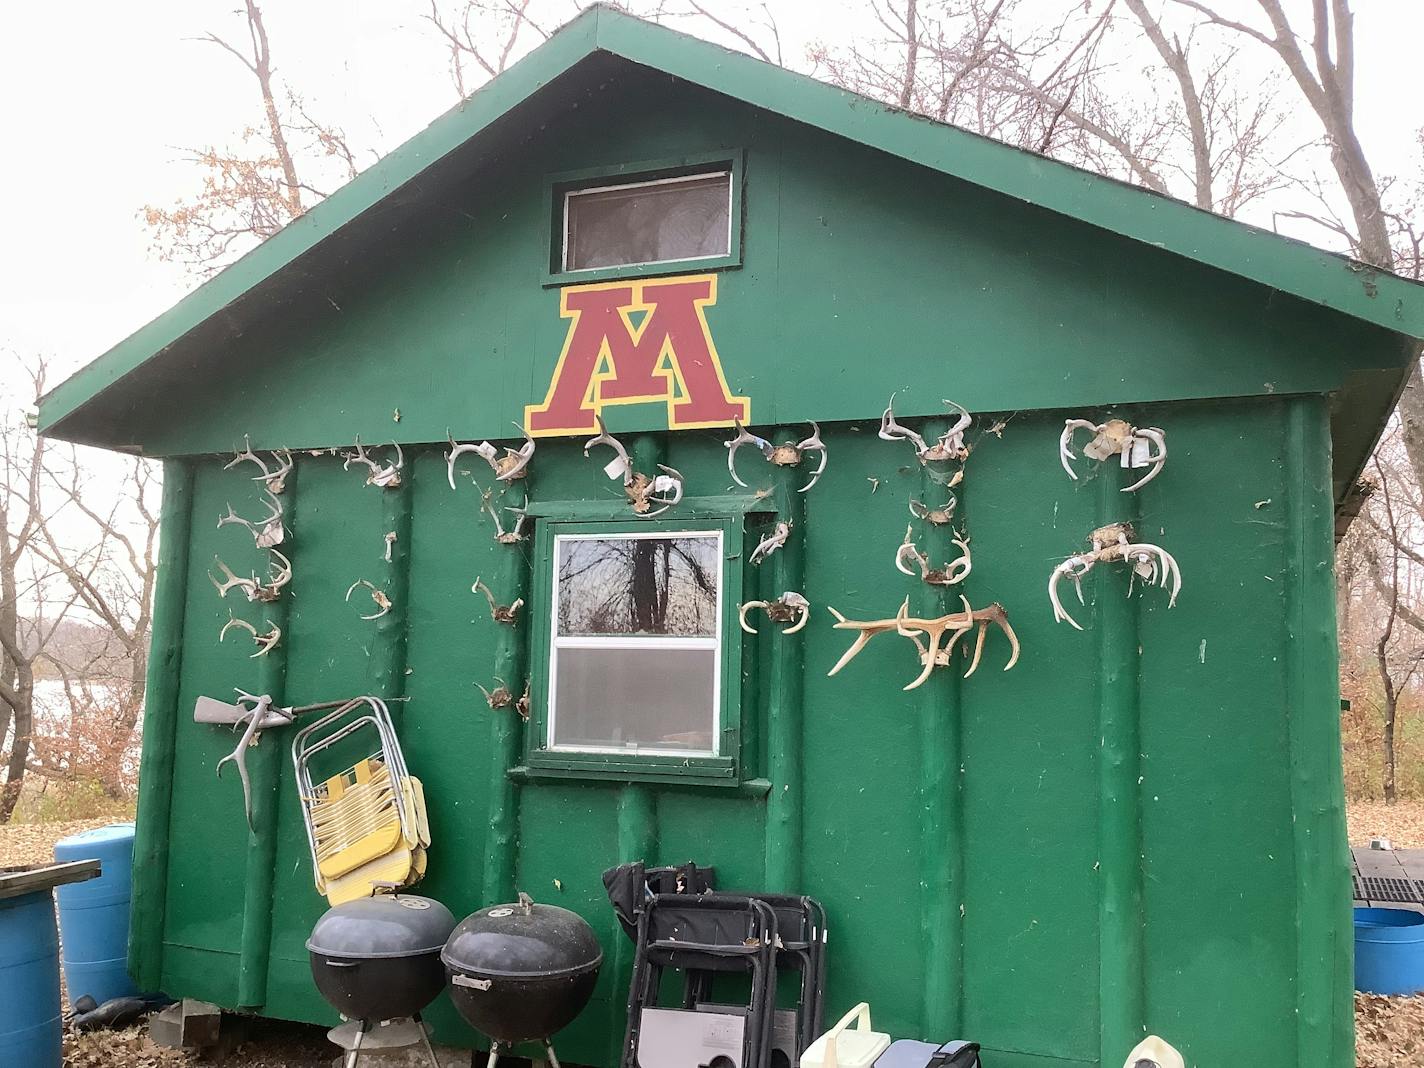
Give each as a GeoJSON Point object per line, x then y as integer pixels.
{"type": "Point", "coordinates": [907, 1053]}
{"type": "Point", "coordinates": [629, 885]}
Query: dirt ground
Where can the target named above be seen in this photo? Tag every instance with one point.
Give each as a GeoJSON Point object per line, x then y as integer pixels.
{"type": "Point", "coordinates": [1389, 1031]}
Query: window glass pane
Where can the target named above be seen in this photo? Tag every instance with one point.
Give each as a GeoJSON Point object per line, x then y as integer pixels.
{"type": "Point", "coordinates": [613, 586]}
{"type": "Point", "coordinates": [648, 223]}
{"type": "Point", "coordinates": [653, 697]}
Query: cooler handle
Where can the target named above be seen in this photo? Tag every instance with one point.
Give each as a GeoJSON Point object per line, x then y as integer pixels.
{"type": "Point", "coordinates": [861, 1014]}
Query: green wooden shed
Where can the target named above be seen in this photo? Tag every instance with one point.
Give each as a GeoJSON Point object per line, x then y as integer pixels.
{"type": "Point", "coordinates": [1138, 828]}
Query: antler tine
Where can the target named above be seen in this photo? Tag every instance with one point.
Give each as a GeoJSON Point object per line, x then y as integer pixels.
{"type": "Point", "coordinates": [400, 456]}
{"type": "Point", "coordinates": [480, 587]}
{"type": "Point", "coordinates": [744, 437]}
{"type": "Point", "coordinates": [525, 453]}
{"type": "Point", "coordinates": [1065, 443]}
{"type": "Point", "coordinates": [961, 424]}
{"type": "Point", "coordinates": [1169, 571]}
{"type": "Point", "coordinates": [814, 444]}
{"type": "Point", "coordinates": [1075, 566]}
{"type": "Point", "coordinates": [742, 615]}
{"type": "Point", "coordinates": [359, 456]}
{"type": "Point", "coordinates": [802, 606]}
{"type": "Point", "coordinates": [605, 438]}
{"type": "Point", "coordinates": [230, 580]}
{"type": "Point", "coordinates": [908, 548]}
{"type": "Point", "coordinates": [245, 455]}
{"type": "Point", "coordinates": [1158, 438]}
{"type": "Point", "coordinates": [241, 624]}
{"type": "Point", "coordinates": [284, 573]}
{"type": "Point", "coordinates": [669, 475]}
{"type": "Point", "coordinates": [891, 430]}
{"type": "Point", "coordinates": [1000, 617]}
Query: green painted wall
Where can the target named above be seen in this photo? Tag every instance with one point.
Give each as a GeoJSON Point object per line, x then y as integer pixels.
{"type": "Point", "coordinates": [985, 871]}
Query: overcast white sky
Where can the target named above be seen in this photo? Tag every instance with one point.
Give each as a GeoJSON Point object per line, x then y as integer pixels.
{"type": "Point", "coordinates": [100, 99]}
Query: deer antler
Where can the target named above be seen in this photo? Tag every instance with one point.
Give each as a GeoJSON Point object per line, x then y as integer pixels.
{"type": "Point", "coordinates": [953, 572]}
{"type": "Point", "coordinates": [267, 531]}
{"type": "Point", "coordinates": [383, 603]}
{"type": "Point", "coordinates": [498, 612]}
{"type": "Point", "coordinates": [939, 650]}
{"type": "Point", "coordinates": [265, 642]}
{"type": "Point", "coordinates": [387, 476]}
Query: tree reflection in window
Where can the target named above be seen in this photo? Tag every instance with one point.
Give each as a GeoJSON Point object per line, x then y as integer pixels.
{"type": "Point", "coordinates": [643, 585]}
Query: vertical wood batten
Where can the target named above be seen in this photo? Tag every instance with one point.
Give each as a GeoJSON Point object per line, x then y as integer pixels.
{"type": "Point", "coordinates": [510, 582]}
{"type": "Point", "coordinates": [1324, 932]}
{"type": "Point", "coordinates": [637, 831]}
{"type": "Point", "coordinates": [940, 716]}
{"type": "Point", "coordinates": [390, 648]}
{"type": "Point", "coordinates": [1121, 984]}
{"type": "Point", "coordinates": [785, 802]}
{"type": "Point", "coordinates": [264, 764]}
{"type": "Point", "coordinates": [160, 724]}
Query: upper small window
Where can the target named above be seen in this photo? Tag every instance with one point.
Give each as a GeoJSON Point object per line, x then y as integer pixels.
{"type": "Point", "coordinates": [661, 221]}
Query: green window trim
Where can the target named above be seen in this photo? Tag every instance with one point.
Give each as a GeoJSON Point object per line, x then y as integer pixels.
{"type": "Point", "coordinates": [557, 184]}
{"type": "Point", "coordinates": [723, 769]}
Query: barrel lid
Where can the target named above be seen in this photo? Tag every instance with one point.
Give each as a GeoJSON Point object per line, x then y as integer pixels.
{"type": "Point", "coordinates": [523, 941]}
{"type": "Point", "coordinates": [98, 836]}
{"type": "Point", "coordinates": [387, 925]}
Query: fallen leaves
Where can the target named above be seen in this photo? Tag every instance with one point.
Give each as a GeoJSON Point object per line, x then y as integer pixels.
{"type": "Point", "coordinates": [33, 843]}
{"type": "Point", "coordinates": [1389, 1032]}
{"type": "Point", "coordinates": [1402, 823]}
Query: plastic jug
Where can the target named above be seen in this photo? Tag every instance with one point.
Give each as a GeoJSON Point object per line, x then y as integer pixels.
{"type": "Point", "coordinates": [843, 1048]}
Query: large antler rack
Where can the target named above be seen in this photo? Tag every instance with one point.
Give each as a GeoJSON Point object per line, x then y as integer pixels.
{"type": "Point", "coordinates": [950, 446]}
{"type": "Point", "coordinates": [940, 649]}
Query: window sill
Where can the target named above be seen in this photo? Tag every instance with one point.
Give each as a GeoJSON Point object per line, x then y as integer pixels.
{"type": "Point", "coordinates": [634, 271]}
{"type": "Point", "coordinates": [536, 772]}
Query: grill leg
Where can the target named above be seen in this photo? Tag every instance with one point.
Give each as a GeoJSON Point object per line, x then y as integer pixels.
{"type": "Point", "coordinates": [425, 1040]}
{"type": "Point", "coordinates": [549, 1049]}
{"type": "Point", "coordinates": [355, 1054]}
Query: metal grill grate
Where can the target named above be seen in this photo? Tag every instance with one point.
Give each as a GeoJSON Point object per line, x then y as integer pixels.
{"type": "Point", "coordinates": [1357, 888]}
{"type": "Point", "coordinates": [1400, 891]}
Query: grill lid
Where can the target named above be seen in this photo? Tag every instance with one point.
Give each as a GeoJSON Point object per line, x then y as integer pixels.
{"type": "Point", "coordinates": [387, 925]}
{"type": "Point", "coordinates": [522, 941]}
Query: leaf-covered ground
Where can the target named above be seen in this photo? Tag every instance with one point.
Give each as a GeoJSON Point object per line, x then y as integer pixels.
{"type": "Point", "coordinates": [1389, 1031]}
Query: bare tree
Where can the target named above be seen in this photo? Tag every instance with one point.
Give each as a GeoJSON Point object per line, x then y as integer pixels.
{"type": "Point", "coordinates": [254, 188]}
{"type": "Point", "coordinates": [484, 33]}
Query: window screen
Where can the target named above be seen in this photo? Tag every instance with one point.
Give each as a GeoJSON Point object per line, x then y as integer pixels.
{"type": "Point", "coordinates": [648, 222]}
{"type": "Point", "coordinates": [636, 650]}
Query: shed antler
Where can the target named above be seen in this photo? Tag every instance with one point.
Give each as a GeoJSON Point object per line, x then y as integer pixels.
{"type": "Point", "coordinates": [275, 481]}
{"type": "Point", "coordinates": [265, 642]}
{"type": "Point", "coordinates": [790, 607]}
{"type": "Point", "coordinates": [378, 595]}
{"type": "Point", "coordinates": [940, 649]}
{"type": "Point", "coordinates": [500, 613]}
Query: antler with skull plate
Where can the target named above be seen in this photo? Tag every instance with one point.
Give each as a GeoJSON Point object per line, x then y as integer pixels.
{"type": "Point", "coordinates": [787, 454]}
{"type": "Point", "coordinates": [275, 481]}
{"type": "Point", "coordinates": [387, 476]}
{"type": "Point", "coordinates": [512, 465]}
{"type": "Point", "coordinates": [1111, 544]}
{"type": "Point", "coordinates": [265, 642]}
{"type": "Point", "coordinates": [642, 492]}
{"type": "Point", "coordinates": [251, 587]}
{"type": "Point", "coordinates": [267, 531]}
{"type": "Point", "coordinates": [790, 607]}
{"type": "Point", "coordinates": [957, 570]}
{"type": "Point", "coordinates": [950, 445]}
{"type": "Point", "coordinates": [1133, 444]}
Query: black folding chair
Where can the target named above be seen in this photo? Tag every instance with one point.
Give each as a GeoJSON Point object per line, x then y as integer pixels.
{"type": "Point", "coordinates": [706, 934]}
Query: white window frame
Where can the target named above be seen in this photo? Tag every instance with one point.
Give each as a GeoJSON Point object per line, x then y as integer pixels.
{"type": "Point", "coordinates": [698, 176]}
{"type": "Point", "coordinates": [635, 642]}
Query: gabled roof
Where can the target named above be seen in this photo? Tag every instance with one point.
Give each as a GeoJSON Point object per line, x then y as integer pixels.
{"type": "Point", "coordinates": [1293, 267]}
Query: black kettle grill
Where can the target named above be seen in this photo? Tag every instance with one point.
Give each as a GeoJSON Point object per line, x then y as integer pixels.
{"type": "Point", "coordinates": [378, 959]}
{"type": "Point", "coordinates": [519, 973]}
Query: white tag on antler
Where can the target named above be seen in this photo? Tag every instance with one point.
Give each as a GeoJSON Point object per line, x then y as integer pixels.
{"type": "Point", "coordinates": [1141, 453]}
{"type": "Point", "coordinates": [614, 468]}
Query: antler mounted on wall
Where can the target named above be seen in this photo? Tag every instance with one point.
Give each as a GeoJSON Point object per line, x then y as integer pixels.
{"type": "Point", "coordinates": [387, 476]}
{"type": "Point", "coordinates": [940, 649]}
{"type": "Point", "coordinates": [515, 534]}
{"type": "Point", "coordinates": [1114, 544]}
{"type": "Point", "coordinates": [251, 587]}
{"type": "Point", "coordinates": [512, 465]}
{"type": "Point", "coordinates": [267, 531]}
{"type": "Point", "coordinates": [274, 480]}
{"type": "Point", "coordinates": [1133, 445]}
{"type": "Point", "coordinates": [956, 571]}
{"type": "Point", "coordinates": [790, 607]}
{"type": "Point", "coordinates": [950, 445]}
{"type": "Point", "coordinates": [642, 492]}
{"type": "Point", "coordinates": [787, 454]}
{"type": "Point", "coordinates": [500, 613]}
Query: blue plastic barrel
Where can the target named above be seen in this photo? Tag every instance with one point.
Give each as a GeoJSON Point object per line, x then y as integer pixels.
{"type": "Point", "coordinates": [94, 915]}
{"type": "Point", "coordinates": [1389, 951]}
{"type": "Point", "coordinates": [30, 1028]}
